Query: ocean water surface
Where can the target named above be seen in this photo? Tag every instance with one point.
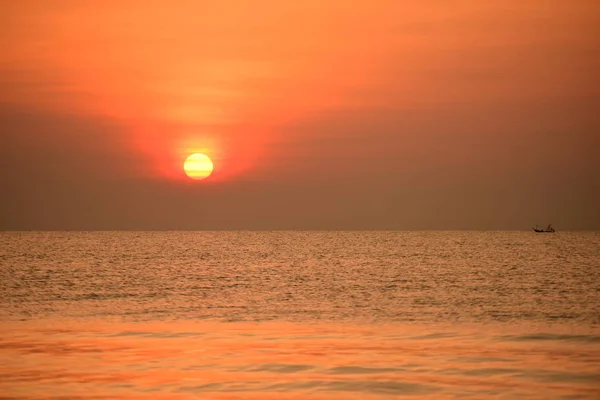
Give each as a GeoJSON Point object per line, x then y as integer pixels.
{"type": "Point", "coordinates": [308, 315]}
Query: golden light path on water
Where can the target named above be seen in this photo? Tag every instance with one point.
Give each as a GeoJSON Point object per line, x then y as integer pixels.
{"type": "Point", "coordinates": [312, 315]}
{"type": "Point", "coordinates": [285, 360]}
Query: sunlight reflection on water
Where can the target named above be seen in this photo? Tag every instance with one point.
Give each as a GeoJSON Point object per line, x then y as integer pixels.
{"type": "Point", "coordinates": [299, 315]}
{"type": "Point", "coordinates": [271, 360]}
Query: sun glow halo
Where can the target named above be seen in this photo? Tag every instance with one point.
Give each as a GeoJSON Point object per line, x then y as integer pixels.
{"type": "Point", "coordinates": [198, 166]}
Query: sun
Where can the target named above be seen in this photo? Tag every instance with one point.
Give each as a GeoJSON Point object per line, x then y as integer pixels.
{"type": "Point", "coordinates": [198, 166]}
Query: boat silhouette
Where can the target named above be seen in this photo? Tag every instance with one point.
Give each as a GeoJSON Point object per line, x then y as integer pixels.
{"type": "Point", "coordinates": [548, 229]}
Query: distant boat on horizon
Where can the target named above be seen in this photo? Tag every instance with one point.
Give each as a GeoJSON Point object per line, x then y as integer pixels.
{"type": "Point", "coordinates": [548, 229]}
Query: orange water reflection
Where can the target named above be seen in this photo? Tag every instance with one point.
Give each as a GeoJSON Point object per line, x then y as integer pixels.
{"type": "Point", "coordinates": [282, 360]}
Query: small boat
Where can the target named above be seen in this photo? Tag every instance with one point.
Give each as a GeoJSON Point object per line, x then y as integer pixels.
{"type": "Point", "coordinates": [549, 229]}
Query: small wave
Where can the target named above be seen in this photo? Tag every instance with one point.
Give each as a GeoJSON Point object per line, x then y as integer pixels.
{"type": "Point", "coordinates": [163, 335]}
{"type": "Point", "coordinates": [373, 387]}
{"type": "Point", "coordinates": [486, 372]}
{"type": "Point", "coordinates": [281, 368]}
{"type": "Point", "coordinates": [350, 370]}
{"type": "Point", "coordinates": [433, 336]}
{"type": "Point", "coordinates": [550, 337]}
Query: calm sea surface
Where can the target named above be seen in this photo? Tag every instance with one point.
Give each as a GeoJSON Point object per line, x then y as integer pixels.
{"type": "Point", "coordinates": [308, 315]}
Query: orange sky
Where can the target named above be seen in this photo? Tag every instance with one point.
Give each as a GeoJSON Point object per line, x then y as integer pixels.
{"type": "Point", "coordinates": [276, 90]}
{"type": "Point", "coordinates": [218, 77]}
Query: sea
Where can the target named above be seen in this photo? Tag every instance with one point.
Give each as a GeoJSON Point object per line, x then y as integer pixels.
{"type": "Point", "coordinates": [299, 315]}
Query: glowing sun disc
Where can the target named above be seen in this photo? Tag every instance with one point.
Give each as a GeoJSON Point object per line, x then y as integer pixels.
{"type": "Point", "coordinates": [198, 166]}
